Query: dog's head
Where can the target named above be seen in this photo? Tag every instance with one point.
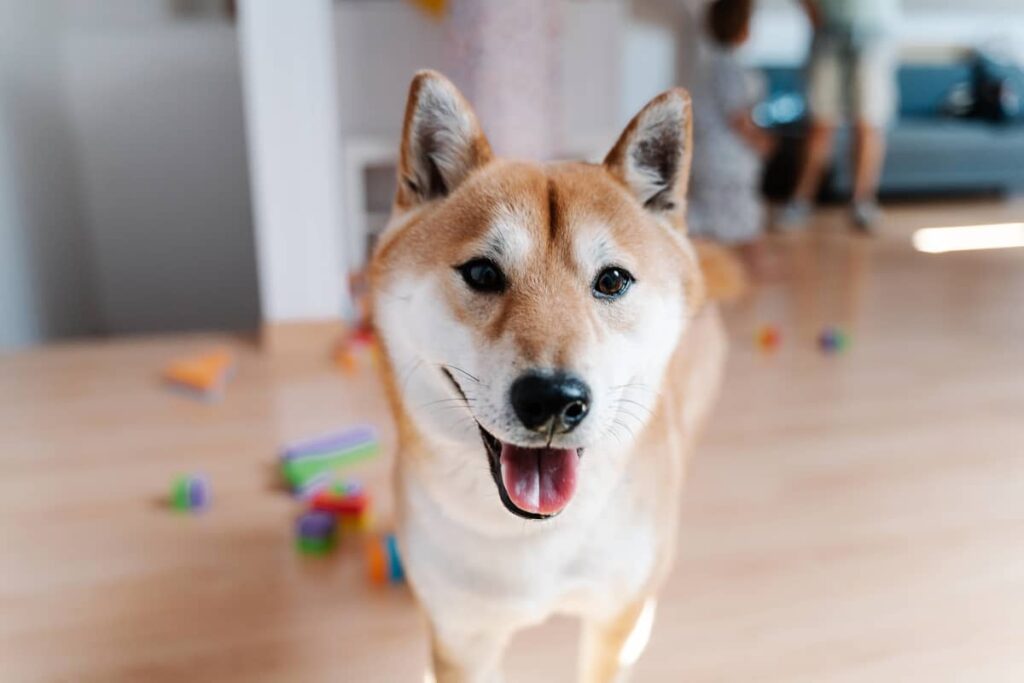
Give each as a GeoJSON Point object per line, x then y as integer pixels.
{"type": "Point", "coordinates": [529, 311]}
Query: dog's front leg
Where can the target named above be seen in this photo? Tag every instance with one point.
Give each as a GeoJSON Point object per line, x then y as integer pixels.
{"type": "Point", "coordinates": [467, 655]}
{"type": "Point", "coordinates": [609, 647]}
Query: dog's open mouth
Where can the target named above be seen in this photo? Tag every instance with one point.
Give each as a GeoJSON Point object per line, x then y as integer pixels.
{"type": "Point", "coordinates": [535, 483]}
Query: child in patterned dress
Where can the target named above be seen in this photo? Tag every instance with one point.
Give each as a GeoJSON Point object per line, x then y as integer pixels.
{"type": "Point", "coordinates": [729, 148]}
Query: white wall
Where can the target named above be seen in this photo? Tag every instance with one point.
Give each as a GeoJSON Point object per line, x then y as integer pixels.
{"type": "Point", "coordinates": [157, 116]}
{"type": "Point", "coordinates": [291, 106]}
{"type": "Point", "coordinates": [660, 50]}
{"type": "Point", "coordinates": [380, 45]}
{"type": "Point", "coordinates": [593, 48]}
{"type": "Point", "coordinates": [44, 256]}
{"type": "Point", "coordinates": [124, 202]}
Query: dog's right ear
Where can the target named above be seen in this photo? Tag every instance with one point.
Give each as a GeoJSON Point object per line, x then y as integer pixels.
{"type": "Point", "coordinates": [652, 156]}
{"type": "Point", "coordinates": [442, 142]}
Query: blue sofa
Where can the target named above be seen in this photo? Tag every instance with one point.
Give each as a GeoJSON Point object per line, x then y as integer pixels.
{"type": "Point", "coordinates": [930, 151]}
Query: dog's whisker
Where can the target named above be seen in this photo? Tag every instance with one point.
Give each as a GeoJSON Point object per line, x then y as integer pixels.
{"type": "Point", "coordinates": [620, 437]}
{"type": "Point", "coordinates": [636, 403]}
{"type": "Point", "coordinates": [623, 388]}
{"type": "Point", "coordinates": [415, 365]}
{"type": "Point", "coordinates": [461, 412]}
{"type": "Point", "coordinates": [460, 370]}
{"type": "Point", "coordinates": [626, 413]}
{"type": "Point", "coordinates": [443, 409]}
{"type": "Point", "coordinates": [639, 385]}
{"type": "Point", "coordinates": [610, 430]}
{"type": "Point", "coordinates": [467, 420]}
{"type": "Point", "coordinates": [629, 430]}
{"type": "Point", "coordinates": [466, 423]}
{"type": "Point", "coordinates": [452, 399]}
{"type": "Point", "coordinates": [621, 410]}
{"type": "Point", "coordinates": [615, 433]}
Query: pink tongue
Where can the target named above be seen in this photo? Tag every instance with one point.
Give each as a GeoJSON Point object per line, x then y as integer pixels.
{"type": "Point", "coordinates": [539, 480]}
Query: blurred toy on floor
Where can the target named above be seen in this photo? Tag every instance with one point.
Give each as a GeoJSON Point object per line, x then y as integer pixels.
{"type": "Point", "coordinates": [190, 493]}
{"type": "Point", "coordinates": [316, 532]}
{"type": "Point", "coordinates": [203, 376]}
{"type": "Point", "coordinates": [833, 340]}
{"type": "Point", "coordinates": [312, 469]}
{"type": "Point", "coordinates": [312, 465]}
{"type": "Point", "coordinates": [357, 342]}
{"type": "Point", "coordinates": [383, 564]}
{"type": "Point", "coordinates": [768, 338]}
{"type": "Point", "coordinates": [349, 502]}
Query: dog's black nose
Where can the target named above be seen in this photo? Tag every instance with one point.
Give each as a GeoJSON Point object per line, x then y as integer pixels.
{"type": "Point", "coordinates": [541, 401]}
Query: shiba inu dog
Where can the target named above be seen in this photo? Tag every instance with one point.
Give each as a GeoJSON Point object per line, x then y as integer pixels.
{"type": "Point", "coordinates": [551, 353]}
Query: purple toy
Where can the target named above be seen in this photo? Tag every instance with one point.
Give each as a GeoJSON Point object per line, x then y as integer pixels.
{"type": "Point", "coordinates": [330, 442]}
{"type": "Point", "coordinates": [316, 524]}
{"type": "Point", "coordinates": [315, 532]}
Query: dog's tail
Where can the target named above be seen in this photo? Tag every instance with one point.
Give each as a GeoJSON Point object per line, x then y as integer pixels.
{"type": "Point", "coordinates": [725, 278]}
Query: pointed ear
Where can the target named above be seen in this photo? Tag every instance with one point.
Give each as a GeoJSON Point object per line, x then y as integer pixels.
{"type": "Point", "coordinates": [441, 141]}
{"type": "Point", "coordinates": [652, 156]}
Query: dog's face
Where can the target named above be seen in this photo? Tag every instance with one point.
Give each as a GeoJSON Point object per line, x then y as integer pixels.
{"type": "Point", "coordinates": [529, 311]}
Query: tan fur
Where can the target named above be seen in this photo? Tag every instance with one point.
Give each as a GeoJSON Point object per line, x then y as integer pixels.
{"type": "Point", "coordinates": [550, 317]}
{"type": "Point", "coordinates": [724, 276]}
{"type": "Point", "coordinates": [602, 642]}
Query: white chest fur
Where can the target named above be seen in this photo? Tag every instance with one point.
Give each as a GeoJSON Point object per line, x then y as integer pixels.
{"type": "Point", "coordinates": [582, 563]}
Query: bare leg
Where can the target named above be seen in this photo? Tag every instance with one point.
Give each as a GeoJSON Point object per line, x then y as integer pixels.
{"type": "Point", "coordinates": [609, 648]}
{"type": "Point", "coordinates": [868, 155]}
{"type": "Point", "coordinates": [460, 656]}
{"type": "Point", "coordinates": [817, 152]}
{"type": "Point", "coordinates": [816, 156]}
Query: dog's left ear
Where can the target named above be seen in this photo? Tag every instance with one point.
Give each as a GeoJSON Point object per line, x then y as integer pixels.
{"type": "Point", "coordinates": [652, 156]}
{"type": "Point", "coordinates": [441, 141]}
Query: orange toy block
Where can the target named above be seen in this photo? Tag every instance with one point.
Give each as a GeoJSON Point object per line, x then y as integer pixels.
{"type": "Point", "coordinates": [204, 373]}
{"type": "Point", "coordinates": [376, 562]}
{"type": "Point", "coordinates": [345, 360]}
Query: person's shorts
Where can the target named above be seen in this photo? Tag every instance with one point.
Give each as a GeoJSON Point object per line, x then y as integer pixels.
{"type": "Point", "coordinates": [852, 83]}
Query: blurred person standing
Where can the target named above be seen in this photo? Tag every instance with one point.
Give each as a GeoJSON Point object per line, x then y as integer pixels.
{"type": "Point", "coordinates": [725, 203]}
{"type": "Point", "coordinates": [850, 79]}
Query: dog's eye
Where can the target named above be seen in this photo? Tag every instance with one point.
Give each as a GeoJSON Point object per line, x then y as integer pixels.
{"type": "Point", "coordinates": [483, 275]}
{"type": "Point", "coordinates": [612, 283]}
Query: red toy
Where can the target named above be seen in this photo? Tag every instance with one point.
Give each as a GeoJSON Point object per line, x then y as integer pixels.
{"type": "Point", "coordinates": [768, 338]}
{"type": "Point", "coordinates": [348, 502]}
{"type": "Point", "coordinates": [342, 504]}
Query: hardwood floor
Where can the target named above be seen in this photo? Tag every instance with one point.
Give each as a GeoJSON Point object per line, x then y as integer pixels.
{"type": "Point", "coordinates": [851, 518]}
